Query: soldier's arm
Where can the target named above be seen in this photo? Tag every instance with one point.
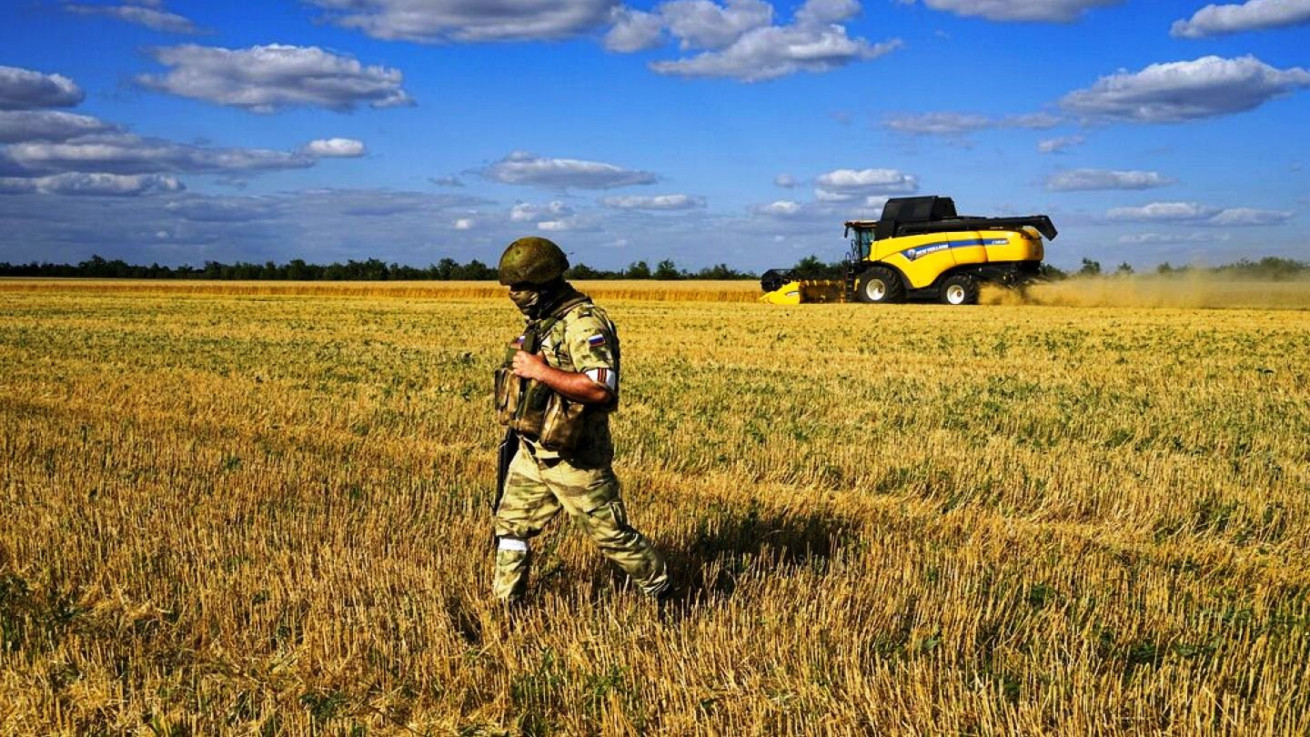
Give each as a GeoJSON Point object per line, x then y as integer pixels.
{"type": "Point", "coordinates": [572, 385]}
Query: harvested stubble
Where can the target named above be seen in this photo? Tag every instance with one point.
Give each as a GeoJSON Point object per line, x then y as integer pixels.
{"type": "Point", "coordinates": [268, 515]}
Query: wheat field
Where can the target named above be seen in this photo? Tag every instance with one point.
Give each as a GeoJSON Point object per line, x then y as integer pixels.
{"type": "Point", "coordinates": [228, 511]}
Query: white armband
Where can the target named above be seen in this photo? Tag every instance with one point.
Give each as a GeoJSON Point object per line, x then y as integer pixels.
{"type": "Point", "coordinates": [605, 377]}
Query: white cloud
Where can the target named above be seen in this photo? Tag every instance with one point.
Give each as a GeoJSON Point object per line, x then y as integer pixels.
{"type": "Point", "coordinates": [702, 24]}
{"type": "Point", "coordinates": [77, 183]}
{"type": "Point", "coordinates": [436, 21]}
{"type": "Point", "coordinates": [1185, 90]}
{"type": "Point", "coordinates": [123, 153]}
{"type": "Point", "coordinates": [1059, 145]}
{"type": "Point", "coordinates": [203, 209]}
{"type": "Point", "coordinates": [571, 223]}
{"type": "Point", "coordinates": [786, 181]}
{"type": "Point", "coordinates": [953, 124]}
{"type": "Point", "coordinates": [1240, 216]}
{"type": "Point", "coordinates": [1144, 239]}
{"type": "Point", "coordinates": [1048, 11]}
{"type": "Point", "coordinates": [738, 39]}
{"type": "Point", "coordinates": [522, 167]}
{"type": "Point", "coordinates": [948, 124]}
{"type": "Point", "coordinates": [1192, 212]}
{"type": "Point", "coordinates": [1163, 211]}
{"type": "Point", "coordinates": [656, 202]}
{"type": "Point", "coordinates": [524, 211]}
{"type": "Point", "coordinates": [22, 89]}
{"type": "Point", "coordinates": [264, 79]}
{"type": "Point", "coordinates": [46, 125]}
{"type": "Point", "coordinates": [780, 209]}
{"type": "Point", "coordinates": [464, 224]}
{"type": "Point", "coordinates": [1075, 180]}
{"type": "Point", "coordinates": [1253, 15]}
{"type": "Point", "coordinates": [150, 17]}
{"type": "Point", "coordinates": [769, 53]}
{"type": "Point", "coordinates": [634, 30]}
{"type": "Point", "coordinates": [335, 148]}
{"type": "Point", "coordinates": [824, 12]}
{"type": "Point", "coordinates": [844, 185]}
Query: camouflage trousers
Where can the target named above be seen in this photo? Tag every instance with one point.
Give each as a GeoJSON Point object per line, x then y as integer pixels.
{"type": "Point", "coordinates": [536, 490]}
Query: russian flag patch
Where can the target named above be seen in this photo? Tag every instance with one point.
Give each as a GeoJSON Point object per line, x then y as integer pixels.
{"type": "Point", "coordinates": [596, 340]}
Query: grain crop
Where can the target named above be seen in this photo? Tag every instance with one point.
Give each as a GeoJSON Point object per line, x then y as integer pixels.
{"type": "Point", "coordinates": [255, 512]}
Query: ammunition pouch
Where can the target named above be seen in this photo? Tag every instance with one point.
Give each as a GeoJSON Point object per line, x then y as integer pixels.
{"type": "Point", "coordinates": [535, 410]}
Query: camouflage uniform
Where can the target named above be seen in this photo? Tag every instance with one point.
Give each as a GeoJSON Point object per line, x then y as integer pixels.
{"type": "Point", "coordinates": [580, 481]}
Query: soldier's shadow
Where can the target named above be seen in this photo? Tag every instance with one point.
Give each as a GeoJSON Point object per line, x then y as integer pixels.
{"type": "Point", "coordinates": [715, 554]}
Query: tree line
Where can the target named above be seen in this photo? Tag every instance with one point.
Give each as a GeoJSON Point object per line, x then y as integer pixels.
{"type": "Point", "coordinates": [447, 269]}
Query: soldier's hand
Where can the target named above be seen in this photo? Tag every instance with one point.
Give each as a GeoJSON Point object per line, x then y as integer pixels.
{"type": "Point", "coordinates": [528, 365]}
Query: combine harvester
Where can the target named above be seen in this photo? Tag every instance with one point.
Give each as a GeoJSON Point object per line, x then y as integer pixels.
{"type": "Point", "coordinates": [921, 249]}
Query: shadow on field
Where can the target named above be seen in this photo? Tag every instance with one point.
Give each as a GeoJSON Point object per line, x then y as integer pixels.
{"type": "Point", "coordinates": [735, 544]}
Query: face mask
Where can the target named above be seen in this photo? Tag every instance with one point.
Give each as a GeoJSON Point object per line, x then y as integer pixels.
{"type": "Point", "coordinates": [525, 299]}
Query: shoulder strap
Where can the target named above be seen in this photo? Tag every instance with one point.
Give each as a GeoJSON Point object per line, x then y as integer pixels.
{"type": "Point", "coordinates": [540, 328]}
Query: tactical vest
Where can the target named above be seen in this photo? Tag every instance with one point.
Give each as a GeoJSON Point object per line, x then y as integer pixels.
{"type": "Point", "coordinates": [532, 408]}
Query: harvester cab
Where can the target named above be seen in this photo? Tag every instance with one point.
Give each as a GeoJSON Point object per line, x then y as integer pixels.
{"type": "Point", "coordinates": [920, 248]}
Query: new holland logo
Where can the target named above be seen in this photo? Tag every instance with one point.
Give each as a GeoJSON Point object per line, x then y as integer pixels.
{"type": "Point", "coordinates": [914, 253]}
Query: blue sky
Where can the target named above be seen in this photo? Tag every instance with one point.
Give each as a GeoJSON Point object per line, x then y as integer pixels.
{"type": "Point", "coordinates": [705, 131]}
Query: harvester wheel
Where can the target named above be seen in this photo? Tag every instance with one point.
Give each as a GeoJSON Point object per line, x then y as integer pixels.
{"type": "Point", "coordinates": [880, 285]}
{"type": "Point", "coordinates": [960, 289]}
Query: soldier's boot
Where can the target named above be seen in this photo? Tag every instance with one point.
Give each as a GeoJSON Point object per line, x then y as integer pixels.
{"type": "Point", "coordinates": [513, 562]}
{"type": "Point", "coordinates": [628, 548]}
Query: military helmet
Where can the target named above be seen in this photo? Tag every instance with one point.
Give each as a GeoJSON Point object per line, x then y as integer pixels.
{"type": "Point", "coordinates": [532, 260]}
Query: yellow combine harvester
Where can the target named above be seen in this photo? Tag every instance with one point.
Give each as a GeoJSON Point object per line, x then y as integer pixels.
{"type": "Point", "coordinates": [921, 249]}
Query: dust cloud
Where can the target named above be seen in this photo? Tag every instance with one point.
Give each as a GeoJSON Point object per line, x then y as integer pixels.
{"type": "Point", "coordinates": [1196, 291]}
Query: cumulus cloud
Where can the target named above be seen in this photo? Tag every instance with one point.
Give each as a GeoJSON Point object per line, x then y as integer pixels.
{"type": "Point", "coordinates": [526, 168]}
{"type": "Point", "coordinates": [1059, 145]}
{"type": "Point", "coordinates": [1162, 211]}
{"type": "Point", "coordinates": [846, 185]}
{"type": "Point", "coordinates": [702, 24]}
{"type": "Point", "coordinates": [153, 18]}
{"type": "Point", "coordinates": [525, 212]}
{"type": "Point", "coordinates": [573, 223]}
{"type": "Point", "coordinates": [436, 21]}
{"type": "Point", "coordinates": [946, 124]}
{"type": "Point", "coordinates": [1144, 239]}
{"type": "Point", "coordinates": [1047, 11]}
{"type": "Point", "coordinates": [47, 125]}
{"type": "Point", "coordinates": [953, 124]}
{"type": "Point", "coordinates": [335, 148]}
{"type": "Point", "coordinates": [780, 209]}
{"type": "Point", "coordinates": [1240, 216]}
{"type": "Point", "coordinates": [1192, 212]}
{"type": "Point", "coordinates": [225, 209]}
{"type": "Point", "coordinates": [1075, 180]}
{"type": "Point", "coordinates": [464, 223]}
{"type": "Point", "coordinates": [78, 183]}
{"type": "Point", "coordinates": [1185, 90]}
{"type": "Point", "coordinates": [769, 53]}
{"type": "Point", "coordinates": [656, 202]}
{"type": "Point", "coordinates": [22, 89]}
{"type": "Point", "coordinates": [264, 79]}
{"type": "Point", "coordinates": [124, 153]}
{"type": "Point", "coordinates": [1253, 15]}
{"type": "Point", "coordinates": [634, 30]}
{"type": "Point", "coordinates": [739, 40]}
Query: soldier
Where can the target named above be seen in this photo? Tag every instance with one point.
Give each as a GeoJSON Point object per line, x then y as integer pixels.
{"type": "Point", "coordinates": [556, 389]}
